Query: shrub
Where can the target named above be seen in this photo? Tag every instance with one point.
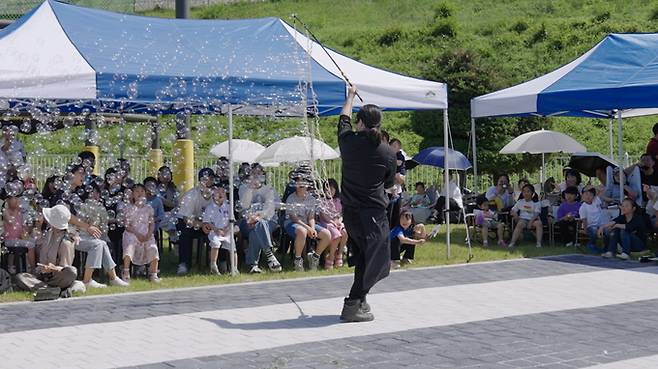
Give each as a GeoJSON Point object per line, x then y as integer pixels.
{"type": "Point", "coordinates": [540, 35]}
{"type": "Point", "coordinates": [601, 17]}
{"type": "Point", "coordinates": [442, 10]}
{"type": "Point", "coordinates": [519, 27]}
{"type": "Point", "coordinates": [444, 29]}
{"type": "Point", "coordinates": [654, 15]}
{"type": "Point", "coordinates": [390, 37]}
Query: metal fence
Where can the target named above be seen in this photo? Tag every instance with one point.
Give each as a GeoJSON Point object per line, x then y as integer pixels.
{"type": "Point", "coordinates": [14, 9]}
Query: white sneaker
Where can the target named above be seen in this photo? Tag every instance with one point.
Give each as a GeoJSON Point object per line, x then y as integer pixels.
{"type": "Point", "coordinates": [538, 245]}
{"type": "Point", "coordinates": [214, 269]}
{"type": "Point", "coordinates": [153, 277]}
{"type": "Point", "coordinates": [255, 269]}
{"type": "Point", "coordinates": [607, 255]}
{"type": "Point", "coordinates": [511, 245]}
{"type": "Point", "coordinates": [623, 256]}
{"type": "Point", "coordinates": [119, 282]}
{"type": "Point", "coordinates": [569, 244]}
{"type": "Point", "coordinates": [299, 264]}
{"type": "Point", "coordinates": [93, 284]}
{"type": "Point", "coordinates": [182, 269]}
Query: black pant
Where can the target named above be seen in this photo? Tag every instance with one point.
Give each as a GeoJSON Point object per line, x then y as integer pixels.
{"type": "Point", "coordinates": [398, 248]}
{"type": "Point", "coordinates": [393, 211]}
{"type": "Point", "coordinates": [185, 240]}
{"type": "Point", "coordinates": [567, 230]}
{"type": "Point", "coordinates": [116, 237]}
{"type": "Point", "coordinates": [441, 206]}
{"type": "Point", "coordinates": [369, 247]}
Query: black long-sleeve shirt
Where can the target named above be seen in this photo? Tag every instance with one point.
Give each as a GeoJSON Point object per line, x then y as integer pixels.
{"type": "Point", "coordinates": [368, 168]}
{"type": "Point", "coordinates": [636, 226]}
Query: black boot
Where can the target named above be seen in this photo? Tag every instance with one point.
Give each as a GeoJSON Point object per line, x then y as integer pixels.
{"type": "Point", "coordinates": [353, 312]}
{"type": "Point", "coordinates": [365, 307]}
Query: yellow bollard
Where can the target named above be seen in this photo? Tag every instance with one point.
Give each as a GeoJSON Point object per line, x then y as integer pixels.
{"type": "Point", "coordinates": [155, 162]}
{"type": "Point", "coordinates": [96, 151]}
{"type": "Point", "coordinates": [183, 164]}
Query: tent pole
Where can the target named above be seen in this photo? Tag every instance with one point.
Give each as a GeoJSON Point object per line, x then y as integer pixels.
{"type": "Point", "coordinates": [234, 268]}
{"type": "Point", "coordinates": [476, 182]}
{"type": "Point", "coordinates": [622, 177]}
{"type": "Point", "coordinates": [612, 149]}
{"type": "Point", "coordinates": [542, 174]}
{"type": "Point", "coordinates": [446, 179]}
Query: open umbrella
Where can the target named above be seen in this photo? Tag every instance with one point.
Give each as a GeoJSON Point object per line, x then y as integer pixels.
{"type": "Point", "coordinates": [588, 162]}
{"type": "Point", "coordinates": [542, 142]}
{"type": "Point", "coordinates": [435, 156]}
{"type": "Point", "coordinates": [295, 149]}
{"type": "Point", "coordinates": [243, 150]}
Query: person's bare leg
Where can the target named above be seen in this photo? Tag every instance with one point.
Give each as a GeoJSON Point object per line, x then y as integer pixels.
{"type": "Point", "coordinates": [324, 238]}
{"type": "Point", "coordinates": [300, 240]}
{"type": "Point", "coordinates": [501, 229]}
{"type": "Point", "coordinates": [86, 277]}
{"type": "Point", "coordinates": [31, 258]}
{"type": "Point", "coordinates": [518, 230]}
{"type": "Point", "coordinates": [485, 234]}
{"type": "Point", "coordinates": [540, 230]}
{"type": "Point", "coordinates": [214, 253]}
{"type": "Point", "coordinates": [153, 266]}
{"type": "Point", "coordinates": [112, 274]}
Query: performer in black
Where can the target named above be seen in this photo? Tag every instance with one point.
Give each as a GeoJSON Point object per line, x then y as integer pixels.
{"type": "Point", "coordinates": [368, 169]}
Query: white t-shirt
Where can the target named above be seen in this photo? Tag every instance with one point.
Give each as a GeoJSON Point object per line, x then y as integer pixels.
{"type": "Point", "coordinates": [593, 213]}
{"type": "Point", "coordinates": [527, 209]}
{"type": "Point", "coordinates": [192, 204]}
{"type": "Point", "coordinates": [218, 216]}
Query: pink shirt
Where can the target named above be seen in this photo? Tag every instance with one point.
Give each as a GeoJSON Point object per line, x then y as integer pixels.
{"type": "Point", "coordinates": [13, 224]}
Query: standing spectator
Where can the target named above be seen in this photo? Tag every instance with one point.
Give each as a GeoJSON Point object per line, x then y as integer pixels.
{"type": "Point", "coordinates": [300, 223]}
{"type": "Point", "coordinates": [652, 146]}
{"type": "Point", "coordinates": [400, 176]}
{"type": "Point", "coordinates": [568, 214]}
{"type": "Point", "coordinates": [258, 221]}
{"type": "Point", "coordinates": [139, 245]}
{"type": "Point", "coordinates": [216, 217]}
{"type": "Point", "coordinates": [189, 214]}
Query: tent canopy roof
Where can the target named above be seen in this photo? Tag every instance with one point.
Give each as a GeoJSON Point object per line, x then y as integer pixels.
{"type": "Point", "coordinates": [620, 72]}
{"type": "Point", "coordinates": [80, 57]}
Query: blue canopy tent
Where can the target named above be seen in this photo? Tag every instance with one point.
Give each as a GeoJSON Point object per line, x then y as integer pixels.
{"type": "Point", "coordinates": [616, 78]}
{"type": "Point", "coordinates": [62, 58]}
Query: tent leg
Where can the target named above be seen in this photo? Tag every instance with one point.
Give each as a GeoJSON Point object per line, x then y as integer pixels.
{"type": "Point", "coordinates": [620, 142]}
{"type": "Point", "coordinates": [468, 237]}
{"type": "Point", "coordinates": [232, 266]}
{"type": "Point", "coordinates": [476, 182]}
{"type": "Point", "coordinates": [542, 175]}
{"type": "Point", "coordinates": [446, 179]}
{"type": "Point", "coordinates": [610, 140]}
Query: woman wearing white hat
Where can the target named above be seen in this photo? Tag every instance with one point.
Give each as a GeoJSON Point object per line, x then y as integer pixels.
{"type": "Point", "coordinates": [98, 253]}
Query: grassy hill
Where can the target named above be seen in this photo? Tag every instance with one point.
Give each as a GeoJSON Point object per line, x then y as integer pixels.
{"type": "Point", "coordinates": [476, 46]}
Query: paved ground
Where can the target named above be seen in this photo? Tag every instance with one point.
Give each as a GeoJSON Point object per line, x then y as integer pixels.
{"type": "Point", "coordinates": [560, 312]}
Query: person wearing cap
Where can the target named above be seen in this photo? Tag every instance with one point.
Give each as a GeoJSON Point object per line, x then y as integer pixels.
{"type": "Point", "coordinates": [98, 252]}
{"type": "Point", "coordinates": [56, 250]}
{"type": "Point", "coordinates": [368, 169]}
{"type": "Point", "coordinates": [568, 214]}
{"type": "Point", "coordinates": [189, 214]}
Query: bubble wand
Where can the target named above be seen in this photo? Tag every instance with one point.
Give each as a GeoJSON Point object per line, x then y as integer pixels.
{"type": "Point", "coordinates": [294, 16]}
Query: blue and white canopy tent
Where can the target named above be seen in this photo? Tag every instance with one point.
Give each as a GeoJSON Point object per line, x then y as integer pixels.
{"type": "Point", "coordinates": [616, 78]}
{"type": "Point", "coordinates": [65, 58]}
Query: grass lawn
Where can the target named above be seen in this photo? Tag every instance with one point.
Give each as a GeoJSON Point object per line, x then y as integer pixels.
{"type": "Point", "coordinates": [430, 254]}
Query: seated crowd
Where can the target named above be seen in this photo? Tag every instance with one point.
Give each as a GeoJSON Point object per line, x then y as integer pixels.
{"type": "Point", "coordinates": [575, 211]}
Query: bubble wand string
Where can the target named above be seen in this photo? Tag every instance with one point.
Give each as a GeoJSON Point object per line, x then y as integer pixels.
{"type": "Point", "coordinates": [294, 16]}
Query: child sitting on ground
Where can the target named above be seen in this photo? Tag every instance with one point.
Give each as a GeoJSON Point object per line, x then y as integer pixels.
{"type": "Point", "coordinates": [487, 219]}
{"type": "Point", "coordinates": [404, 239]}
{"type": "Point", "coordinates": [216, 221]}
{"type": "Point", "coordinates": [17, 233]}
{"type": "Point", "coordinates": [526, 213]}
{"type": "Point", "coordinates": [139, 245]}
